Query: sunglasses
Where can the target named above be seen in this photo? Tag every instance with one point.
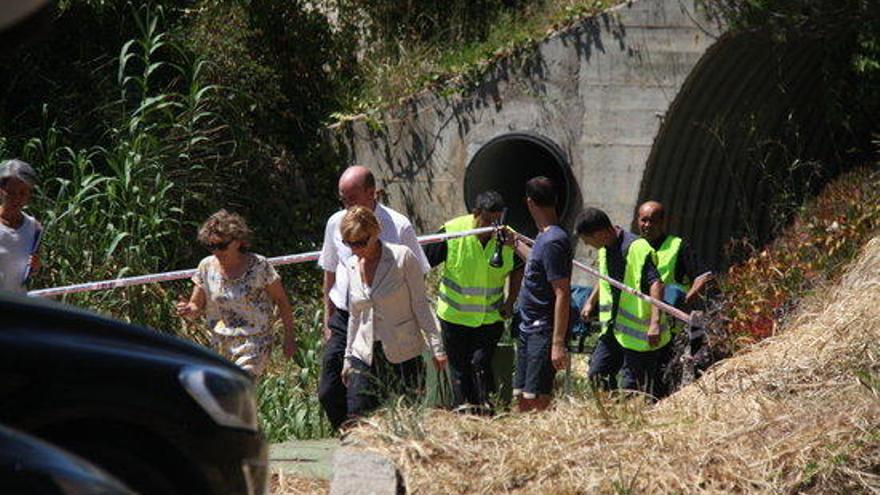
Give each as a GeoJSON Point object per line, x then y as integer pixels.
{"type": "Point", "coordinates": [218, 246]}
{"type": "Point", "coordinates": [357, 244]}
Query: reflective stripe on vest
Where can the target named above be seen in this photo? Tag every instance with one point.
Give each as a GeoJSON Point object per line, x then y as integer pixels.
{"type": "Point", "coordinates": [633, 317]}
{"type": "Point", "coordinates": [626, 314]}
{"type": "Point", "coordinates": [634, 333]}
{"type": "Point", "coordinates": [470, 308]}
{"type": "Point", "coordinates": [471, 292]}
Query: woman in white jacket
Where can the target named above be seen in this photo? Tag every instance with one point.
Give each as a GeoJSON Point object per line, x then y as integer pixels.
{"type": "Point", "coordinates": [390, 320]}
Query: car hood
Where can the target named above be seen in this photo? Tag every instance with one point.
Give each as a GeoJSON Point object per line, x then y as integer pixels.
{"type": "Point", "coordinates": [37, 313]}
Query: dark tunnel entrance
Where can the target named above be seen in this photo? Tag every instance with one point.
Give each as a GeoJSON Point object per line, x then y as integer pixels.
{"type": "Point", "coordinates": [507, 162]}
{"type": "Point", "coordinates": [747, 139]}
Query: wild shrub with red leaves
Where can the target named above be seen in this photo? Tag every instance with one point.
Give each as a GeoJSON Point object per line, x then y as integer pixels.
{"type": "Point", "coordinates": [828, 232]}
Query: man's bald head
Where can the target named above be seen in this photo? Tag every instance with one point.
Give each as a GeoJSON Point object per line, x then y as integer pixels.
{"type": "Point", "coordinates": [652, 208]}
{"type": "Point", "coordinates": [652, 221]}
{"type": "Point", "coordinates": [357, 187]}
{"type": "Point", "coordinates": [358, 175]}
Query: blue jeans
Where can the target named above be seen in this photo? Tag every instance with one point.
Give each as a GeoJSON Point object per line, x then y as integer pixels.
{"type": "Point", "coordinates": [534, 371]}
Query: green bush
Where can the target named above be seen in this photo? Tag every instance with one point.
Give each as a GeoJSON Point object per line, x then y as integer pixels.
{"type": "Point", "coordinates": [845, 35]}
{"type": "Point", "coordinates": [288, 395]}
{"type": "Point", "coordinates": [406, 47]}
{"type": "Point", "coordinates": [282, 67]}
{"type": "Point", "coordinates": [146, 143]}
{"type": "Point", "coordinates": [456, 21]}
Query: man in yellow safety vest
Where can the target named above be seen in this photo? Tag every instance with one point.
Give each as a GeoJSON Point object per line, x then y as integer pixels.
{"type": "Point", "coordinates": [471, 303]}
{"type": "Point", "coordinates": [678, 264]}
{"type": "Point", "coordinates": [632, 338]}
{"type": "Point", "coordinates": [684, 277]}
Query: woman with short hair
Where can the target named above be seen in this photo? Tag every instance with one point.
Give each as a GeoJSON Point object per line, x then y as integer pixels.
{"type": "Point", "coordinates": [389, 311]}
{"type": "Point", "coordinates": [238, 291]}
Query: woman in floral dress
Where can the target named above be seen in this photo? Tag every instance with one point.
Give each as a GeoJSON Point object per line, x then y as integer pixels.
{"type": "Point", "coordinates": [238, 291]}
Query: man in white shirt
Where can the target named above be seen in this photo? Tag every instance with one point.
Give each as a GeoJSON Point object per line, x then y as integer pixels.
{"type": "Point", "coordinates": [19, 232]}
{"type": "Point", "coordinates": [357, 187]}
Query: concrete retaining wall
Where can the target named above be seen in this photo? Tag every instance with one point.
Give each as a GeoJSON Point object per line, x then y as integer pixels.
{"type": "Point", "coordinates": [640, 102]}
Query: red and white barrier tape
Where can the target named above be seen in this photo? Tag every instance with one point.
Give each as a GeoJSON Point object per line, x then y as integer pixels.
{"type": "Point", "coordinates": [182, 274]}
{"type": "Point", "coordinates": [313, 255]}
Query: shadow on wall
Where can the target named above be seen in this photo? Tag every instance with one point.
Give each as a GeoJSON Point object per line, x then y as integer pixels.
{"type": "Point", "coordinates": [742, 143]}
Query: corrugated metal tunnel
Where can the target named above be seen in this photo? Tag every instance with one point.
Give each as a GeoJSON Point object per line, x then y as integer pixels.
{"type": "Point", "coordinates": [725, 155]}
{"type": "Point", "coordinates": [507, 162]}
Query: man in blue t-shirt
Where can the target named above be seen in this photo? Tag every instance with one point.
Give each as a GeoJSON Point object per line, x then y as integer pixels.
{"type": "Point", "coordinates": [543, 300]}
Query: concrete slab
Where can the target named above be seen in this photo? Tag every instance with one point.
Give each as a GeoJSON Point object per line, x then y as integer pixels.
{"type": "Point", "coordinates": [304, 458]}
{"type": "Point", "coordinates": [358, 472]}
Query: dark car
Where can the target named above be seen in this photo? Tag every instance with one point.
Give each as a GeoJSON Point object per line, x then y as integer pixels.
{"type": "Point", "coordinates": [29, 466]}
{"type": "Point", "coordinates": [163, 415]}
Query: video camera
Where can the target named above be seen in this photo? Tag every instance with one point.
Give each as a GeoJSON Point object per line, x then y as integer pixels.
{"type": "Point", "coordinates": [500, 237]}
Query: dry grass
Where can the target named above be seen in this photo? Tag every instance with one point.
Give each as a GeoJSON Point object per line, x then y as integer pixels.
{"type": "Point", "coordinates": [798, 413]}
{"type": "Point", "coordinates": [285, 484]}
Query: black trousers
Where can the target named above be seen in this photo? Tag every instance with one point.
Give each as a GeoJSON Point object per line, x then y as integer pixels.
{"type": "Point", "coordinates": [605, 362]}
{"type": "Point", "coordinates": [331, 390]}
{"type": "Point", "coordinates": [470, 351]}
{"type": "Point", "coordinates": [642, 370]}
{"type": "Point", "coordinates": [372, 384]}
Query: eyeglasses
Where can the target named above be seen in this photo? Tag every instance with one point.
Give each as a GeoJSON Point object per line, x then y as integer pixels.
{"type": "Point", "coordinates": [218, 246]}
{"type": "Point", "coordinates": [357, 244]}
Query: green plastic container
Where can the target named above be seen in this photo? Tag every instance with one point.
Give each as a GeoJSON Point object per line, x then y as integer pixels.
{"type": "Point", "coordinates": [437, 395]}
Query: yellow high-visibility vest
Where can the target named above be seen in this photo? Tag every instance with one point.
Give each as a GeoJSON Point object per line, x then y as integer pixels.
{"type": "Point", "coordinates": [633, 317]}
{"type": "Point", "coordinates": [667, 261]}
{"type": "Point", "coordinates": [471, 291]}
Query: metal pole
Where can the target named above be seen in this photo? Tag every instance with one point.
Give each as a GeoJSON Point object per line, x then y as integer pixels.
{"type": "Point", "coordinates": [669, 309]}
{"type": "Point", "coordinates": [666, 308]}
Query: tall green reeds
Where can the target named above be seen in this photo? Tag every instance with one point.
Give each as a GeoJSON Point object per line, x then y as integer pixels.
{"type": "Point", "coordinates": [116, 208]}
{"type": "Point", "coordinates": [288, 395]}
{"type": "Point", "coordinates": [128, 203]}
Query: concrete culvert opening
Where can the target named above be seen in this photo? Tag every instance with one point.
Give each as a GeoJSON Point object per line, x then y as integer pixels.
{"type": "Point", "coordinates": [506, 163]}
